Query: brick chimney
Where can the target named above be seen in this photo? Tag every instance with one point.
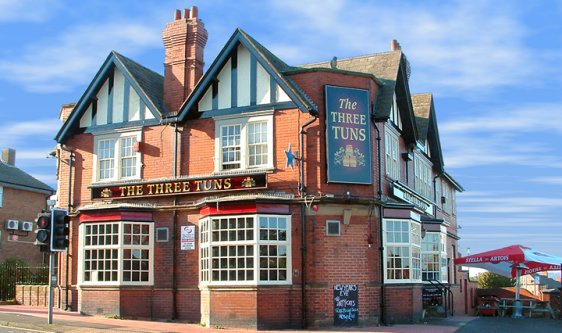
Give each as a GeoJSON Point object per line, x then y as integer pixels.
{"type": "Point", "coordinates": [395, 46]}
{"type": "Point", "coordinates": [184, 41]}
{"type": "Point", "coordinates": [9, 156]}
{"type": "Point", "coordinates": [65, 111]}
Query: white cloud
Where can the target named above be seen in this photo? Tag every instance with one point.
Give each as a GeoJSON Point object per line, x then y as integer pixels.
{"type": "Point", "coordinates": [27, 10]}
{"type": "Point", "coordinates": [12, 134]}
{"type": "Point", "coordinates": [457, 46]}
{"type": "Point", "coordinates": [510, 205]}
{"type": "Point", "coordinates": [508, 136]}
{"type": "Point", "coordinates": [72, 58]}
{"type": "Point", "coordinates": [547, 180]}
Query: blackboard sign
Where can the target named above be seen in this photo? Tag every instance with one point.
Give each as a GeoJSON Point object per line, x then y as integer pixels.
{"type": "Point", "coordinates": [346, 305]}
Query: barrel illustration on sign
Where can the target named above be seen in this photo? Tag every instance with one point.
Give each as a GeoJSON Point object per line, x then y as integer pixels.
{"type": "Point", "coordinates": [346, 305]}
{"type": "Point", "coordinates": [348, 135]}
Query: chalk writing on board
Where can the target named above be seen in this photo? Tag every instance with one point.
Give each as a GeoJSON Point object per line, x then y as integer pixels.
{"type": "Point", "coordinates": [346, 305]}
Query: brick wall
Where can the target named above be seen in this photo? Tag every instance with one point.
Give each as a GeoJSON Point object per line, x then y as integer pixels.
{"type": "Point", "coordinates": [102, 301]}
{"type": "Point", "coordinates": [403, 303]}
{"type": "Point", "coordinates": [234, 308]}
{"type": "Point", "coordinates": [21, 205]}
{"type": "Point", "coordinates": [32, 295]}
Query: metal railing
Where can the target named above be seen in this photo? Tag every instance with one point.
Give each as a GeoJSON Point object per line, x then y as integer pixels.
{"type": "Point", "coordinates": [448, 298]}
{"type": "Point", "coordinates": [14, 273]}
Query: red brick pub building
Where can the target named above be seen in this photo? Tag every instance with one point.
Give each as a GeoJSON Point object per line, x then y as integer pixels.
{"type": "Point", "coordinates": [256, 194]}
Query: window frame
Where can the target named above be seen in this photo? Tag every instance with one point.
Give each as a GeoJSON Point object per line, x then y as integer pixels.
{"type": "Point", "coordinates": [244, 123]}
{"type": "Point", "coordinates": [414, 262]}
{"type": "Point", "coordinates": [395, 113]}
{"type": "Point", "coordinates": [422, 177]}
{"type": "Point", "coordinates": [1, 195]}
{"type": "Point", "coordinates": [121, 249]}
{"type": "Point", "coordinates": [207, 245]}
{"type": "Point", "coordinates": [440, 252]}
{"type": "Point", "coordinates": [117, 158]}
{"type": "Point", "coordinates": [392, 153]}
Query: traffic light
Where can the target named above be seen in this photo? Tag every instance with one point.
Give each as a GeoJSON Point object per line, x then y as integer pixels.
{"type": "Point", "coordinates": [43, 236]}
{"type": "Point", "coordinates": [60, 224]}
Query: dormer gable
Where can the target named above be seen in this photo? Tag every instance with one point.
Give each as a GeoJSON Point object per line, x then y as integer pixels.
{"type": "Point", "coordinates": [428, 133]}
{"type": "Point", "coordinates": [122, 94]}
{"type": "Point", "coordinates": [245, 76]}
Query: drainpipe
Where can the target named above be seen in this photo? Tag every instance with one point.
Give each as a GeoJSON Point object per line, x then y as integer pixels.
{"type": "Point", "coordinates": [69, 206]}
{"type": "Point", "coordinates": [382, 313]}
{"type": "Point", "coordinates": [174, 227]}
{"type": "Point", "coordinates": [302, 191]}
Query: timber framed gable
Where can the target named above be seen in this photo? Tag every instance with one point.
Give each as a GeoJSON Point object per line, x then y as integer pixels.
{"type": "Point", "coordinates": [122, 94]}
{"type": "Point", "coordinates": [245, 77]}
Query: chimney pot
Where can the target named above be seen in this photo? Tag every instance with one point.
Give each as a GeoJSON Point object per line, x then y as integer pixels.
{"type": "Point", "coordinates": [183, 64]}
{"type": "Point", "coordinates": [177, 15]}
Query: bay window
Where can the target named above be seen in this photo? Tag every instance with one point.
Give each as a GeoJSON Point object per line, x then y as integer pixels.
{"type": "Point", "coordinates": [245, 250]}
{"type": "Point", "coordinates": [402, 250]}
{"type": "Point", "coordinates": [115, 157]}
{"type": "Point", "coordinates": [244, 143]}
{"type": "Point", "coordinates": [434, 257]}
{"type": "Point", "coordinates": [116, 253]}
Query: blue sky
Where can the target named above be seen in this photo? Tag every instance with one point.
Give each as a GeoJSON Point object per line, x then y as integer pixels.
{"type": "Point", "coordinates": [493, 67]}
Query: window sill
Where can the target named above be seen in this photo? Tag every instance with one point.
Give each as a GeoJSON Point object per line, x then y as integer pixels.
{"type": "Point", "coordinates": [244, 171]}
{"type": "Point", "coordinates": [248, 287]}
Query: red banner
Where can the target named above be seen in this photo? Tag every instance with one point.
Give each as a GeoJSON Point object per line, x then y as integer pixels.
{"type": "Point", "coordinates": [180, 186]}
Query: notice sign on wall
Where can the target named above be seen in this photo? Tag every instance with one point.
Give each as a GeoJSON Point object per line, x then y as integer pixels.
{"type": "Point", "coordinates": [188, 237]}
{"type": "Point", "coordinates": [348, 135]}
{"type": "Point", "coordinates": [346, 305]}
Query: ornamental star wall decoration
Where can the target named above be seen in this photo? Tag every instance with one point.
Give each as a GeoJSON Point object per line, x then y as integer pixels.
{"type": "Point", "coordinates": [291, 158]}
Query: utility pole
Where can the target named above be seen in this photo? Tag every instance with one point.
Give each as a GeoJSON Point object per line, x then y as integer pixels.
{"type": "Point", "coordinates": [52, 283]}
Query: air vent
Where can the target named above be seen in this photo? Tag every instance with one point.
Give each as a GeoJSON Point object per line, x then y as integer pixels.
{"type": "Point", "coordinates": [12, 224]}
{"type": "Point", "coordinates": [27, 226]}
{"type": "Point", "coordinates": [161, 234]}
{"type": "Point", "coordinates": [332, 228]}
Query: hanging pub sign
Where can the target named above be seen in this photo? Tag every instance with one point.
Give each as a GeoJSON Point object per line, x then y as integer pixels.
{"type": "Point", "coordinates": [180, 186]}
{"type": "Point", "coordinates": [348, 135]}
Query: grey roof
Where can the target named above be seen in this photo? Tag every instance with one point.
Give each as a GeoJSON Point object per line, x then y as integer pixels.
{"type": "Point", "coordinates": [11, 176]}
{"type": "Point", "coordinates": [271, 63]}
{"type": "Point", "coordinates": [150, 82]}
{"type": "Point", "coordinates": [384, 66]}
{"type": "Point", "coordinates": [390, 68]}
{"type": "Point", "coordinates": [422, 110]}
{"type": "Point", "coordinates": [281, 67]}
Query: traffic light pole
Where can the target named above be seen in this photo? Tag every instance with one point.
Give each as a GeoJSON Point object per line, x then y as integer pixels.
{"type": "Point", "coordinates": [52, 282]}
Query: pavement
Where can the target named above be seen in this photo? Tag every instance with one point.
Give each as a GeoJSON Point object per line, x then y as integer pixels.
{"type": "Point", "coordinates": [35, 319]}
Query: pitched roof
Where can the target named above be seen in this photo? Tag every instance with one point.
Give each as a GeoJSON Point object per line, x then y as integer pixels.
{"type": "Point", "coordinates": [427, 127]}
{"type": "Point", "coordinates": [147, 83]}
{"type": "Point", "coordinates": [150, 82]}
{"type": "Point", "coordinates": [11, 176]}
{"type": "Point", "coordinates": [271, 63]}
{"type": "Point", "coordinates": [390, 69]}
{"type": "Point", "coordinates": [422, 110]}
{"type": "Point", "coordinates": [383, 66]}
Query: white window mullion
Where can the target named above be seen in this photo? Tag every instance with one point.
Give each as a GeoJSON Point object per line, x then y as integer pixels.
{"type": "Point", "coordinates": [120, 254]}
